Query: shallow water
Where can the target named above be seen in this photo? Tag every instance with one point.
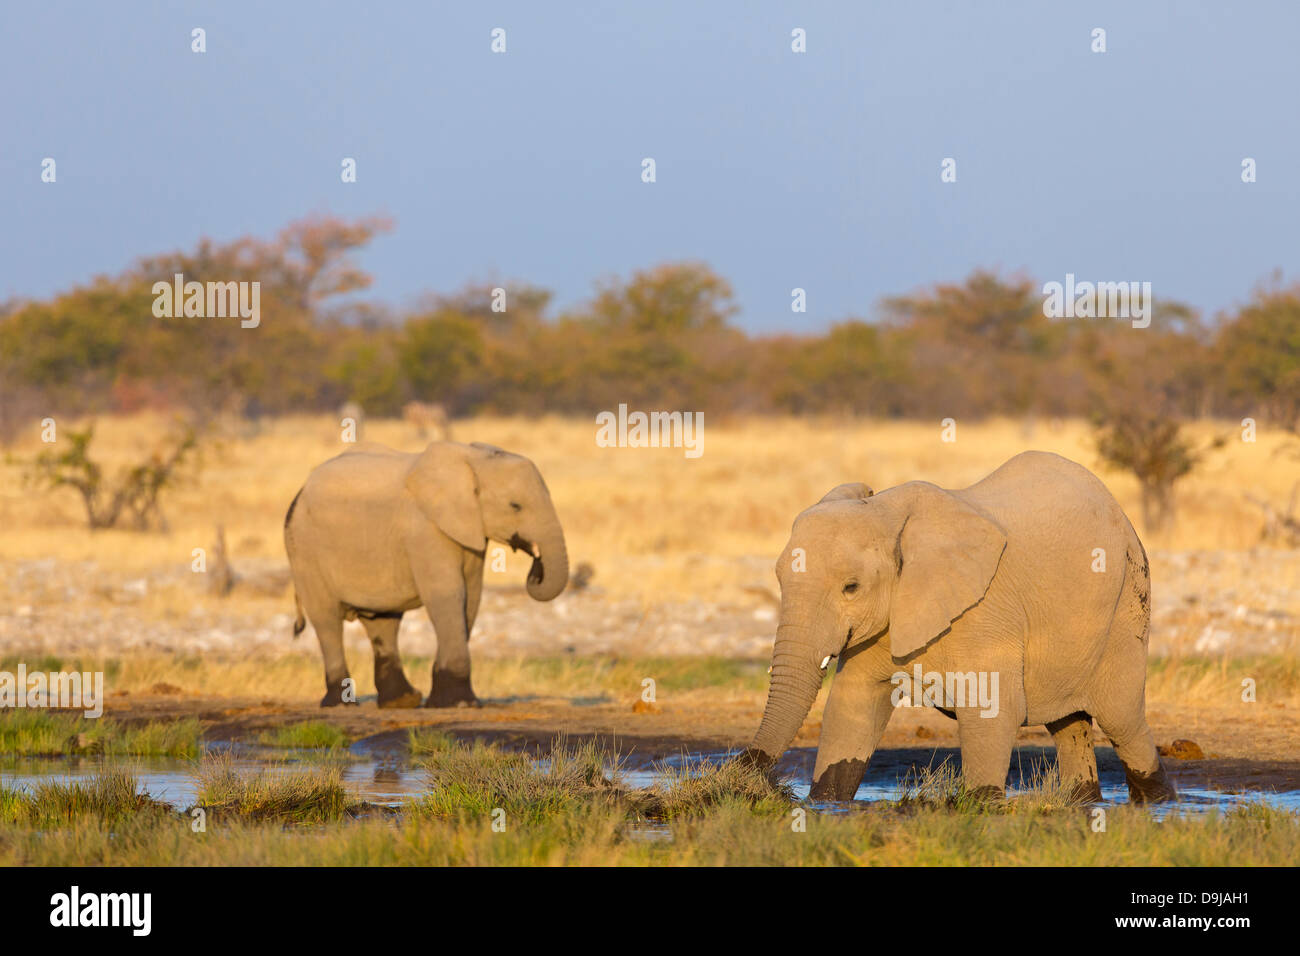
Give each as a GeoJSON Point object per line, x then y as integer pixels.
{"type": "Point", "coordinates": [389, 778]}
{"type": "Point", "coordinates": [887, 784]}
{"type": "Point", "coordinates": [380, 780]}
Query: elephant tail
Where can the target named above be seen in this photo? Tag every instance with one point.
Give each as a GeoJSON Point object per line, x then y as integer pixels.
{"type": "Point", "coordinates": [299, 621]}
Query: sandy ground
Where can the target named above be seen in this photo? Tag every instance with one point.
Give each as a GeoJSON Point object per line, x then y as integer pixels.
{"type": "Point", "coordinates": [1203, 603]}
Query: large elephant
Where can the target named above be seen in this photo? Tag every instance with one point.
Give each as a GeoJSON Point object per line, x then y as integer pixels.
{"type": "Point", "coordinates": [1032, 577]}
{"type": "Point", "coordinates": [375, 532]}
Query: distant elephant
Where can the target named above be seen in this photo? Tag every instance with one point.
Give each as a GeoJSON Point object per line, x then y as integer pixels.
{"type": "Point", "coordinates": [1033, 574]}
{"type": "Point", "coordinates": [375, 532]}
{"type": "Point", "coordinates": [428, 419]}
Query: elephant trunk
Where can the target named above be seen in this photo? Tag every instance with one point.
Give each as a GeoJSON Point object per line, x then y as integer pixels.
{"type": "Point", "coordinates": [550, 571]}
{"type": "Point", "coordinates": [796, 679]}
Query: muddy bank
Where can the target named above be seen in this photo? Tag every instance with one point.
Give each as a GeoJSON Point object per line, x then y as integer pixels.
{"type": "Point", "coordinates": [1256, 758]}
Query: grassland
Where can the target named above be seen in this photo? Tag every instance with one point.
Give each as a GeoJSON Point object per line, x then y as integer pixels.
{"type": "Point", "coordinates": [683, 594]}
{"type": "Point", "coordinates": [650, 521]}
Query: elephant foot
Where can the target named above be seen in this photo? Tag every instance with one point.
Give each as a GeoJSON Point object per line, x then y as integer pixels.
{"type": "Point", "coordinates": [1154, 787]}
{"type": "Point", "coordinates": [1082, 791]}
{"type": "Point", "coordinates": [334, 696]}
{"type": "Point", "coordinates": [838, 782]}
{"type": "Point", "coordinates": [987, 796]}
{"type": "Point", "coordinates": [410, 698]}
{"type": "Point", "coordinates": [451, 691]}
{"type": "Point", "coordinates": [757, 759]}
{"type": "Point", "coordinates": [395, 690]}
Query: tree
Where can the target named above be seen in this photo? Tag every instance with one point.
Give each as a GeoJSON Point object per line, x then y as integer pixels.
{"type": "Point", "coordinates": [667, 300]}
{"type": "Point", "coordinates": [662, 337]}
{"type": "Point", "coordinates": [980, 346]}
{"type": "Point", "coordinates": [1151, 447]}
{"type": "Point", "coordinates": [441, 356]}
{"type": "Point", "coordinates": [853, 368]}
{"type": "Point", "coordinates": [1259, 350]}
{"type": "Point", "coordinates": [136, 491]}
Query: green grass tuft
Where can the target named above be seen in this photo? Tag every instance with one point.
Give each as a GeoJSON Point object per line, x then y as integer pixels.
{"type": "Point", "coordinates": [478, 779]}
{"type": "Point", "coordinates": [288, 796]}
{"type": "Point", "coordinates": [28, 733]}
{"type": "Point", "coordinates": [1039, 792]}
{"type": "Point", "coordinates": [13, 805]}
{"type": "Point", "coordinates": [426, 740]}
{"type": "Point", "coordinates": [307, 735]}
{"type": "Point", "coordinates": [110, 797]}
{"type": "Point", "coordinates": [691, 791]}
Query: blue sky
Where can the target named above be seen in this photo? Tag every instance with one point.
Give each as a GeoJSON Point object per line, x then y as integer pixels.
{"type": "Point", "coordinates": [818, 170]}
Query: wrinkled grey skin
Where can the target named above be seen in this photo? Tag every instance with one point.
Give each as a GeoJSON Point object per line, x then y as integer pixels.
{"type": "Point", "coordinates": [375, 532]}
{"type": "Point", "coordinates": [998, 577]}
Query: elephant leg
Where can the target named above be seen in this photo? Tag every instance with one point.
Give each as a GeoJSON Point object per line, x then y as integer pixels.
{"type": "Point", "coordinates": [327, 621]}
{"type": "Point", "coordinates": [472, 569]}
{"type": "Point", "coordinates": [1076, 761]}
{"type": "Point", "coordinates": [390, 680]}
{"type": "Point", "coordinates": [1119, 704]}
{"type": "Point", "coordinates": [1135, 746]}
{"type": "Point", "coordinates": [857, 712]}
{"type": "Point", "coordinates": [986, 745]}
{"type": "Point", "coordinates": [451, 680]}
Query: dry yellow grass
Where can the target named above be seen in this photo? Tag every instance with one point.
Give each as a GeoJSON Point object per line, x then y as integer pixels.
{"type": "Point", "coordinates": [651, 521]}
{"type": "Point", "coordinates": [295, 675]}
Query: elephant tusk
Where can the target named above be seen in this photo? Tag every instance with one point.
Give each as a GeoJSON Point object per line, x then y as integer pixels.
{"type": "Point", "coordinates": [825, 660]}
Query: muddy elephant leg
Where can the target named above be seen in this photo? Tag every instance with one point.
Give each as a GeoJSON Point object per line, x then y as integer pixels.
{"type": "Point", "coordinates": [1120, 706]}
{"type": "Point", "coordinates": [390, 680]}
{"type": "Point", "coordinates": [451, 684]}
{"type": "Point", "coordinates": [1136, 748]}
{"type": "Point", "coordinates": [328, 623]}
{"type": "Point", "coordinates": [857, 712]}
{"type": "Point", "coordinates": [1076, 760]}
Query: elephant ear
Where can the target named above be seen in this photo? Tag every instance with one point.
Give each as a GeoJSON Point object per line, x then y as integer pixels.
{"type": "Point", "coordinates": [948, 553]}
{"type": "Point", "coordinates": [445, 488]}
{"type": "Point", "coordinates": [847, 491]}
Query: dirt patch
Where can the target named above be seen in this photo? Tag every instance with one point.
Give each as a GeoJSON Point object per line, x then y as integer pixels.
{"type": "Point", "coordinates": [1182, 749]}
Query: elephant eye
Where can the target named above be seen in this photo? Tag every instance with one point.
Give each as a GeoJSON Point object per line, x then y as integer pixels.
{"type": "Point", "coordinates": [851, 587]}
{"type": "Point", "coordinates": [516, 506]}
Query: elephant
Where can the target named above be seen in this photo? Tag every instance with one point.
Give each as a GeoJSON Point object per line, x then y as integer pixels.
{"type": "Point", "coordinates": [428, 419]}
{"type": "Point", "coordinates": [1032, 577]}
{"type": "Point", "coordinates": [376, 532]}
